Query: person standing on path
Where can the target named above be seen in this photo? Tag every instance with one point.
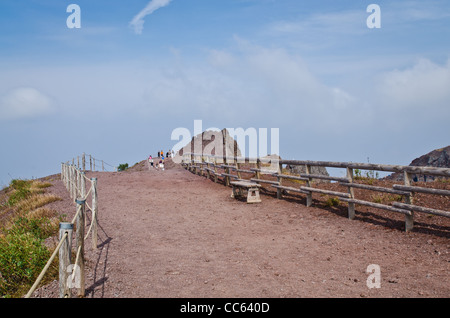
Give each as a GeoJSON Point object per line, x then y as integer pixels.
{"type": "Point", "coordinates": [150, 159]}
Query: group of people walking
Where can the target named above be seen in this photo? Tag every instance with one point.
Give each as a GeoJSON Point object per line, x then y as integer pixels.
{"type": "Point", "coordinates": [161, 159]}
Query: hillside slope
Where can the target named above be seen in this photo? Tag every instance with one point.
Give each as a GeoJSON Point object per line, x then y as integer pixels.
{"type": "Point", "coordinates": [436, 158]}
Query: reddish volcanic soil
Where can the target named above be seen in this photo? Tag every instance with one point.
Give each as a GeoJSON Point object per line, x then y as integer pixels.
{"type": "Point", "coordinates": [175, 234]}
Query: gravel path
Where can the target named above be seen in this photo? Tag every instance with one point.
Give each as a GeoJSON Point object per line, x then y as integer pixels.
{"type": "Point", "coordinates": [175, 234]}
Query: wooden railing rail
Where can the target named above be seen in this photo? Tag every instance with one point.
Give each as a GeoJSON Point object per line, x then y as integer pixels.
{"type": "Point", "coordinates": [195, 162]}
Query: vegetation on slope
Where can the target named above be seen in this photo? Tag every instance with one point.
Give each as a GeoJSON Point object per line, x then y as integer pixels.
{"type": "Point", "coordinates": [25, 224]}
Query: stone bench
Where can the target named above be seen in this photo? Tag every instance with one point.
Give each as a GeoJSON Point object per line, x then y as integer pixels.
{"type": "Point", "coordinates": [252, 190]}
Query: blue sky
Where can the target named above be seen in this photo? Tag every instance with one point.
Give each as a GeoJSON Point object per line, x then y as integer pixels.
{"type": "Point", "coordinates": [336, 89]}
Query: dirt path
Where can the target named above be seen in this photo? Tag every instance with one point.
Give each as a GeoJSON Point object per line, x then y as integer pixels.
{"type": "Point", "coordinates": [174, 234]}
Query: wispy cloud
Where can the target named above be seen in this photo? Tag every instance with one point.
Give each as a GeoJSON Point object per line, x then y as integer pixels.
{"type": "Point", "coordinates": [138, 21]}
{"type": "Point", "coordinates": [424, 86]}
{"type": "Point", "coordinates": [24, 102]}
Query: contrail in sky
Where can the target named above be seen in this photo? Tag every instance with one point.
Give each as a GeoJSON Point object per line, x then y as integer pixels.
{"type": "Point", "coordinates": [138, 21]}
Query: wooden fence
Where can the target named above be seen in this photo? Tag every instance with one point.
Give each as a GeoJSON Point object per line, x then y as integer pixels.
{"type": "Point", "coordinates": [73, 275]}
{"type": "Point", "coordinates": [214, 167]}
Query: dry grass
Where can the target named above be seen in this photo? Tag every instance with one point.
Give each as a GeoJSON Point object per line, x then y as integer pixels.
{"type": "Point", "coordinates": [36, 201]}
{"type": "Point", "coordinates": [42, 213]}
{"type": "Point", "coordinates": [25, 223]}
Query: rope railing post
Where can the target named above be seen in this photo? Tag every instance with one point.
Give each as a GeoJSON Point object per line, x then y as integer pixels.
{"type": "Point", "coordinates": [94, 212]}
{"type": "Point", "coordinates": [80, 244]}
{"type": "Point", "coordinates": [70, 182]}
{"type": "Point", "coordinates": [66, 177]}
{"type": "Point", "coordinates": [83, 184]}
{"type": "Point", "coordinates": [65, 259]}
{"type": "Point", "coordinates": [90, 162]}
{"type": "Point", "coordinates": [74, 182]}
{"type": "Point", "coordinates": [78, 174]}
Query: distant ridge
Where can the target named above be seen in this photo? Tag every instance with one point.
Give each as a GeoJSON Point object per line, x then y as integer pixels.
{"type": "Point", "coordinates": [435, 158]}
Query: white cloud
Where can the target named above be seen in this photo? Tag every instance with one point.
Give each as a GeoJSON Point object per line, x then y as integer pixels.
{"type": "Point", "coordinates": [24, 102]}
{"type": "Point", "coordinates": [424, 85]}
{"type": "Point", "coordinates": [138, 21]}
{"type": "Point", "coordinates": [260, 84]}
{"type": "Point", "coordinates": [413, 11]}
{"type": "Point", "coordinates": [326, 24]}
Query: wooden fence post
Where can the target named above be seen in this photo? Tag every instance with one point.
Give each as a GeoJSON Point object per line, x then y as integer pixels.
{"type": "Point", "coordinates": [94, 212]}
{"type": "Point", "coordinates": [65, 259]}
{"type": "Point", "coordinates": [83, 161]}
{"type": "Point", "coordinates": [80, 243]}
{"type": "Point", "coordinates": [308, 184]}
{"type": "Point", "coordinates": [258, 167]}
{"type": "Point", "coordinates": [201, 165]}
{"type": "Point", "coordinates": [215, 170]}
{"type": "Point", "coordinates": [227, 171]}
{"type": "Point", "coordinates": [351, 205]}
{"type": "Point", "coordinates": [409, 219]}
{"type": "Point", "coordinates": [280, 180]}
{"type": "Point", "coordinates": [238, 167]}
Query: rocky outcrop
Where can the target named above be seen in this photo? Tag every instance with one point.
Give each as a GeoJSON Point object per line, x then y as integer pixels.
{"type": "Point", "coordinates": [436, 158]}
{"type": "Point", "coordinates": [210, 142]}
{"type": "Point", "coordinates": [314, 170]}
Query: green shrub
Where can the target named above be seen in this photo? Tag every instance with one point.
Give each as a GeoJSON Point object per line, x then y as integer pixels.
{"type": "Point", "coordinates": [22, 257]}
{"type": "Point", "coordinates": [41, 228]}
{"type": "Point", "coordinates": [122, 167]}
{"type": "Point", "coordinates": [22, 252]}
{"type": "Point", "coordinates": [332, 202]}
{"type": "Point", "coordinates": [20, 191]}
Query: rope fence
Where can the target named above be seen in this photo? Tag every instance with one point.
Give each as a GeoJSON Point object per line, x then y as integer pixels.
{"type": "Point", "coordinates": [73, 275]}
{"type": "Point", "coordinates": [218, 166]}
{"type": "Point", "coordinates": [89, 159]}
